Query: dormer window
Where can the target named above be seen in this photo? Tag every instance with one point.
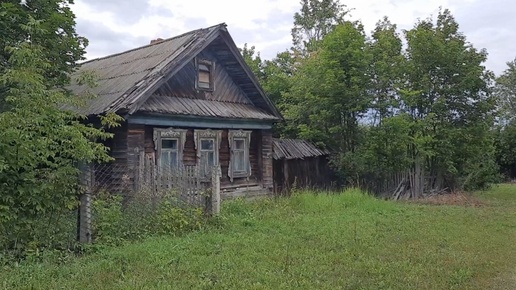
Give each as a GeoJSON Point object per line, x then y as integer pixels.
{"type": "Point", "coordinates": [204, 75]}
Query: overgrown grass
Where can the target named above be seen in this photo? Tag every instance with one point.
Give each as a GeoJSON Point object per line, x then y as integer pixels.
{"type": "Point", "coordinates": [309, 241]}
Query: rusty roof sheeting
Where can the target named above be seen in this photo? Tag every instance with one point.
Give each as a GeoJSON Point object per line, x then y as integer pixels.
{"type": "Point", "coordinates": [207, 108]}
{"type": "Point", "coordinates": [296, 149]}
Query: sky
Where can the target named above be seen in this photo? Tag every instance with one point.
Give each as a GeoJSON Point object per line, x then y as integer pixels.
{"type": "Point", "coordinates": [113, 26]}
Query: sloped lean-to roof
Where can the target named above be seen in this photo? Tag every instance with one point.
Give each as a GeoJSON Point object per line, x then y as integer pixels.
{"type": "Point", "coordinates": [296, 149]}
{"type": "Point", "coordinates": [205, 108]}
{"type": "Point", "coordinates": [125, 81]}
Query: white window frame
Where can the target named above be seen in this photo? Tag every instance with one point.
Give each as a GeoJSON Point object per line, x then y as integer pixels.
{"type": "Point", "coordinates": [169, 134]}
{"type": "Point", "coordinates": [239, 135]}
{"type": "Point", "coordinates": [216, 136]}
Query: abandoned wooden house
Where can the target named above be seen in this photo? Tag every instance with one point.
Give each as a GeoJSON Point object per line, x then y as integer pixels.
{"type": "Point", "coordinates": [187, 100]}
{"type": "Point", "coordinates": [300, 164]}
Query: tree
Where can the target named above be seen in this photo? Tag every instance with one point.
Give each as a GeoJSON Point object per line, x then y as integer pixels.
{"type": "Point", "coordinates": [316, 19]}
{"type": "Point", "coordinates": [253, 60]}
{"type": "Point", "coordinates": [505, 91]}
{"type": "Point", "coordinates": [448, 97]}
{"type": "Point", "coordinates": [505, 131]}
{"type": "Point", "coordinates": [329, 91]}
{"type": "Point", "coordinates": [48, 23]}
{"type": "Point", "coordinates": [385, 70]}
{"type": "Point", "coordinates": [42, 142]}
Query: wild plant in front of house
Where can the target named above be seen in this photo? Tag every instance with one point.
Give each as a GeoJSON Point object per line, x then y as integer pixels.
{"type": "Point", "coordinates": [116, 220]}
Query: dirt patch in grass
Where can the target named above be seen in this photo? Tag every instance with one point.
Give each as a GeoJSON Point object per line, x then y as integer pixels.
{"type": "Point", "coordinates": [454, 198]}
{"type": "Point", "coordinates": [505, 281]}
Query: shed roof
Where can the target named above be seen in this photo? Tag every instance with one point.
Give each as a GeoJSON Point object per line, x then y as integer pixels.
{"type": "Point", "coordinates": [296, 149]}
{"type": "Point", "coordinates": [125, 81]}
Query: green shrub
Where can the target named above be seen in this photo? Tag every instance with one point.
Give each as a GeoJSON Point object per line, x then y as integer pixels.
{"type": "Point", "coordinates": [116, 220]}
{"type": "Point", "coordinates": [52, 231]}
{"type": "Point", "coordinates": [172, 219]}
{"type": "Point", "coordinates": [108, 219]}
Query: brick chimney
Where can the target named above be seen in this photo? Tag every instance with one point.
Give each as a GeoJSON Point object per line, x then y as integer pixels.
{"type": "Point", "coordinates": [157, 40]}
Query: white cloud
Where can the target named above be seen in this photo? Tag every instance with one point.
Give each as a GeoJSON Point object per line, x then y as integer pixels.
{"type": "Point", "coordinates": [242, 13]}
{"type": "Point", "coordinates": [266, 24]}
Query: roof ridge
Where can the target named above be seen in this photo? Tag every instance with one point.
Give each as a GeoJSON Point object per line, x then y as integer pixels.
{"type": "Point", "coordinates": [222, 24]}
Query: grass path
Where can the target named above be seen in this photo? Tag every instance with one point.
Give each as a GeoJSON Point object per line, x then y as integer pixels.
{"type": "Point", "coordinates": [346, 241]}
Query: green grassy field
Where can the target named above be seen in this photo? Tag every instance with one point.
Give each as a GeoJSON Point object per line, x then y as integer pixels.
{"type": "Point", "coordinates": [346, 241]}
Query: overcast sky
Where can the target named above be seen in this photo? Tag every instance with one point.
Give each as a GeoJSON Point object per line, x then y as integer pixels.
{"type": "Point", "coordinates": [117, 25]}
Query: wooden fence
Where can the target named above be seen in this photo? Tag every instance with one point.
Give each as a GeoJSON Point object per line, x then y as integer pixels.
{"type": "Point", "coordinates": [188, 184]}
{"type": "Point", "coordinates": [403, 185]}
{"type": "Point", "coordinates": [148, 183]}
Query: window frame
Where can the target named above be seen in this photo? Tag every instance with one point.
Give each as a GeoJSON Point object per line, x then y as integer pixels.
{"type": "Point", "coordinates": [161, 134]}
{"type": "Point", "coordinates": [168, 150]}
{"type": "Point", "coordinates": [216, 136]}
{"type": "Point", "coordinates": [234, 135]}
{"type": "Point", "coordinates": [211, 68]}
{"type": "Point", "coordinates": [212, 150]}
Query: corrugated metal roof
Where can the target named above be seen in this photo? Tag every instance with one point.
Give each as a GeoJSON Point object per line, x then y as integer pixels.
{"type": "Point", "coordinates": [207, 108]}
{"type": "Point", "coordinates": [119, 74]}
{"type": "Point", "coordinates": [296, 149]}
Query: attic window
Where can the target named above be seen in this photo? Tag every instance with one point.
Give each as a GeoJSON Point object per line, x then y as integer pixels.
{"type": "Point", "coordinates": [204, 75]}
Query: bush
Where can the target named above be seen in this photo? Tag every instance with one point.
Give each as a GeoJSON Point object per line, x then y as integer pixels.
{"type": "Point", "coordinates": [116, 220]}
{"type": "Point", "coordinates": [52, 231]}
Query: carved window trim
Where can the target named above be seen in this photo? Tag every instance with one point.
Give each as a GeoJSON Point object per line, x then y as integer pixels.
{"type": "Point", "coordinates": [216, 136]}
{"type": "Point", "coordinates": [204, 65]}
{"type": "Point", "coordinates": [239, 135]}
{"type": "Point", "coordinates": [161, 134]}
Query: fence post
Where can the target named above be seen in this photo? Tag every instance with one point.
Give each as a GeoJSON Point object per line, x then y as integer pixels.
{"type": "Point", "coordinates": [215, 191]}
{"type": "Point", "coordinates": [84, 220]}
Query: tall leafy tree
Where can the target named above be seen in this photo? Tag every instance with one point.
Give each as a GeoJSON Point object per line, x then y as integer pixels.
{"type": "Point", "coordinates": [385, 70]}
{"type": "Point", "coordinates": [505, 91]}
{"type": "Point", "coordinates": [449, 100]}
{"type": "Point", "coordinates": [55, 23]}
{"type": "Point", "coordinates": [315, 20]}
{"type": "Point", "coordinates": [277, 76]}
{"type": "Point", "coordinates": [253, 60]}
{"type": "Point", "coordinates": [329, 92]}
{"type": "Point", "coordinates": [42, 142]}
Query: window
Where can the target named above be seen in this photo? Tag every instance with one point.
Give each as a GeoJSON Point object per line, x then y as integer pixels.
{"type": "Point", "coordinates": [239, 165]}
{"type": "Point", "coordinates": [169, 144]}
{"type": "Point", "coordinates": [204, 75]}
{"type": "Point", "coordinates": [239, 155]}
{"type": "Point", "coordinates": [169, 153]}
{"type": "Point", "coordinates": [207, 144]}
{"type": "Point", "coordinates": [208, 152]}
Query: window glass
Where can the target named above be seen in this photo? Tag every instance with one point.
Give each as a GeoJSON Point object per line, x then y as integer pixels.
{"type": "Point", "coordinates": [207, 154]}
{"type": "Point", "coordinates": [165, 159]}
{"type": "Point", "coordinates": [207, 144]}
{"type": "Point", "coordinates": [169, 159]}
{"type": "Point", "coordinates": [204, 79]}
{"type": "Point", "coordinates": [239, 144]}
{"type": "Point", "coordinates": [239, 156]}
{"type": "Point", "coordinates": [204, 76]}
{"type": "Point", "coordinates": [169, 143]}
{"type": "Point", "coordinates": [174, 159]}
{"type": "Point", "coordinates": [239, 160]}
{"type": "Point", "coordinates": [211, 158]}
